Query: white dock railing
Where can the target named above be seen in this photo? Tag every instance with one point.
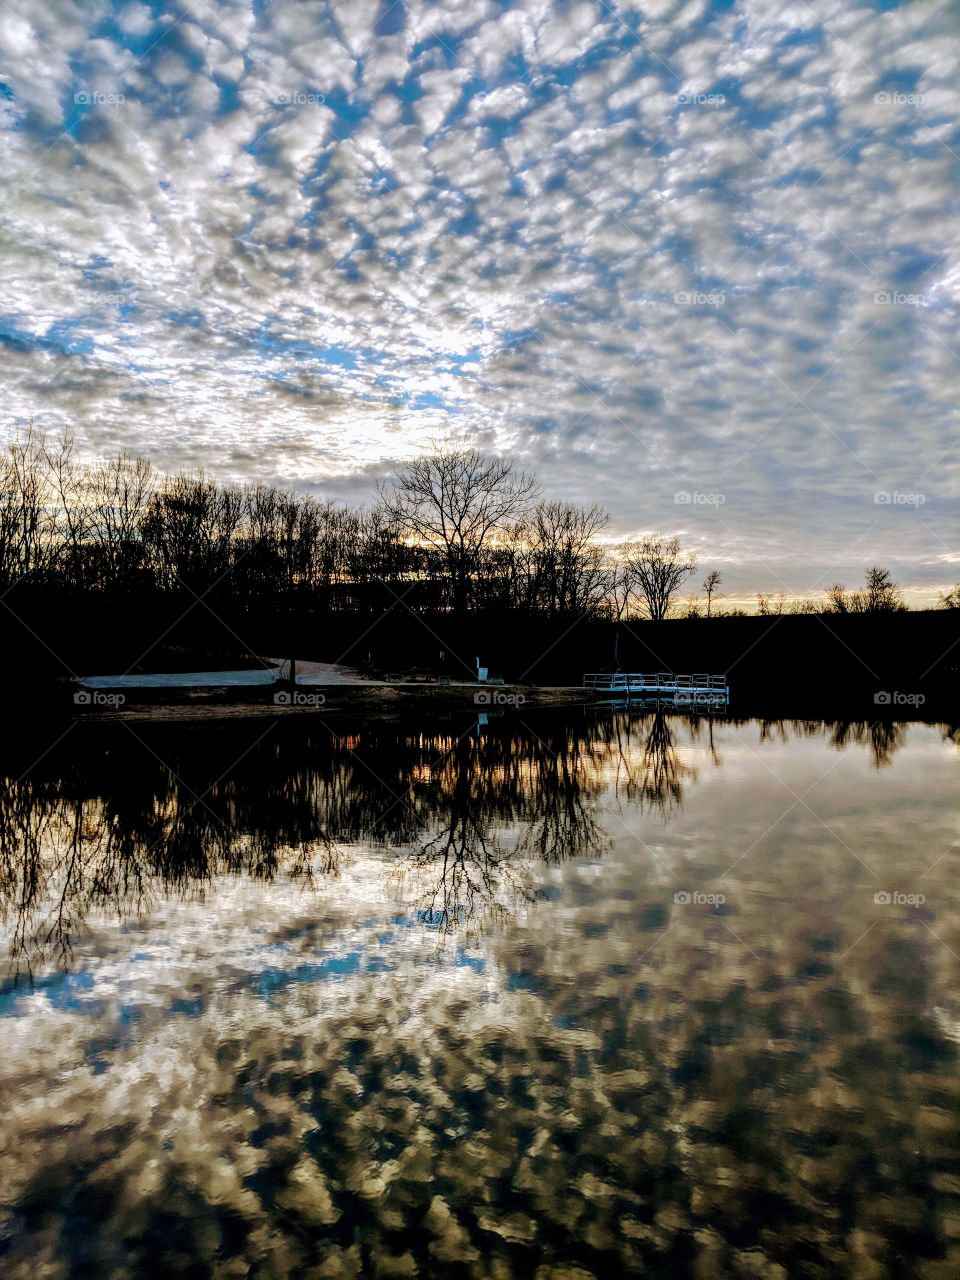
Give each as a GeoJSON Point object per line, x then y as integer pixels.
{"type": "Point", "coordinates": [666, 682]}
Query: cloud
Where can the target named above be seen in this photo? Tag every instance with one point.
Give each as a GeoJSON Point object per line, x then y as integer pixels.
{"type": "Point", "coordinates": [641, 250]}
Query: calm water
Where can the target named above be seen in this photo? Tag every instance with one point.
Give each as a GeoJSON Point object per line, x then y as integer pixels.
{"type": "Point", "coordinates": [555, 997]}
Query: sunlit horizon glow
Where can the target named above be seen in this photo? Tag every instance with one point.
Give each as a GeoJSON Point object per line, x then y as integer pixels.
{"type": "Point", "coordinates": [695, 262]}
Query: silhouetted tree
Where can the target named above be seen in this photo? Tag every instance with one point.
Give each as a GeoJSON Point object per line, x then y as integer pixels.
{"type": "Point", "coordinates": [454, 501]}
{"type": "Point", "coordinates": [880, 594]}
{"type": "Point", "coordinates": [568, 569]}
{"type": "Point", "coordinates": [658, 569]}
{"type": "Point", "coordinates": [28, 541]}
{"type": "Point", "coordinates": [768, 603]}
{"type": "Point", "coordinates": [710, 584]}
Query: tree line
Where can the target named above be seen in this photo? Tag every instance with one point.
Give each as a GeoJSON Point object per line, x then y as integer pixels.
{"type": "Point", "coordinates": [452, 531]}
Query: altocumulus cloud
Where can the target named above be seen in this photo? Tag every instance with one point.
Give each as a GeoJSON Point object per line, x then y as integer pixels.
{"type": "Point", "coordinates": [697, 260]}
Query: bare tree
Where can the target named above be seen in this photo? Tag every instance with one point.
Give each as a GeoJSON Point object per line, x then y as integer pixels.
{"type": "Point", "coordinates": [710, 584]}
{"type": "Point", "coordinates": [768, 603]}
{"type": "Point", "coordinates": [620, 590]}
{"type": "Point", "coordinates": [880, 593]}
{"type": "Point", "coordinates": [28, 532]}
{"type": "Point", "coordinates": [377, 552]}
{"type": "Point", "coordinates": [659, 568]}
{"type": "Point", "coordinates": [453, 501]}
{"type": "Point", "coordinates": [567, 566]}
{"type": "Point", "coordinates": [71, 502]}
{"type": "Point", "coordinates": [950, 599]}
{"type": "Point", "coordinates": [119, 492]}
{"type": "Point", "coordinates": [190, 528]}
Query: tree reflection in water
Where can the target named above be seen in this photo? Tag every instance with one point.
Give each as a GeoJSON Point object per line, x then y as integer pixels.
{"type": "Point", "coordinates": [279, 1083]}
{"type": "Point", "coordinates": [113, 829]}
{"type": "Point", "coordinates": [135, 814]}
{"type": "Point", "coordinates": [500, 802]}
{"type": "Point", "coordinates": [884, 738]}
{"type": "Point", "coordinates": [653, 777]}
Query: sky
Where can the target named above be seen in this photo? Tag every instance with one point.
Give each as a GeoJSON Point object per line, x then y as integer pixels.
{"type": "Point", "coordinates": [695, 260]}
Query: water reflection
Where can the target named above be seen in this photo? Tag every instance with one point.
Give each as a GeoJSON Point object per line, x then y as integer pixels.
{"type": "Point", "coordinates": [883, 738]}
{"type": "Point", "coordinates": [652, 775]}
{"type": "Point", "coordinates": [137, 817]}
{"type": "Point", "coordinates": [443, 1001]}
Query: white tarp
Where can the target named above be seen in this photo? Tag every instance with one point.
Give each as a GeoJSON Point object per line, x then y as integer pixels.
{"type": "Point", "coordinates": [182, 679]}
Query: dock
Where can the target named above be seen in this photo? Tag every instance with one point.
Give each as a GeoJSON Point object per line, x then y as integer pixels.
{"type": "Point", "coordinates": [698, 689]}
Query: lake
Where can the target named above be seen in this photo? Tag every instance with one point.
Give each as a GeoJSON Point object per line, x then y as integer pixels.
{"type": "Point", "coordinates": [587, 993]}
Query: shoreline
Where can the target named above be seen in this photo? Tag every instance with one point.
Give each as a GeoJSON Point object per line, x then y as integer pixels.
{"type": "Point", "coordinates": [389, 700]}
{"type": "Point", "coordinates": [368, 699]}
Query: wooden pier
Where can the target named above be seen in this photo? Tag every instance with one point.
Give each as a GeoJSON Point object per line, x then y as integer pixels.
{"type": "Point", "coordinates": [698, 689]}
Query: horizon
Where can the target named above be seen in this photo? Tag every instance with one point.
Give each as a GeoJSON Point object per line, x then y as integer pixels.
{"type": "Point", "coordinates": [614, 548]}
{"type": "Point", "coordinates": [695, 263]}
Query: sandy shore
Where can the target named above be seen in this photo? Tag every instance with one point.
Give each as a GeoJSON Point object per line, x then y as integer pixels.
{"type": "Point", "coordinates": [325, 673]}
